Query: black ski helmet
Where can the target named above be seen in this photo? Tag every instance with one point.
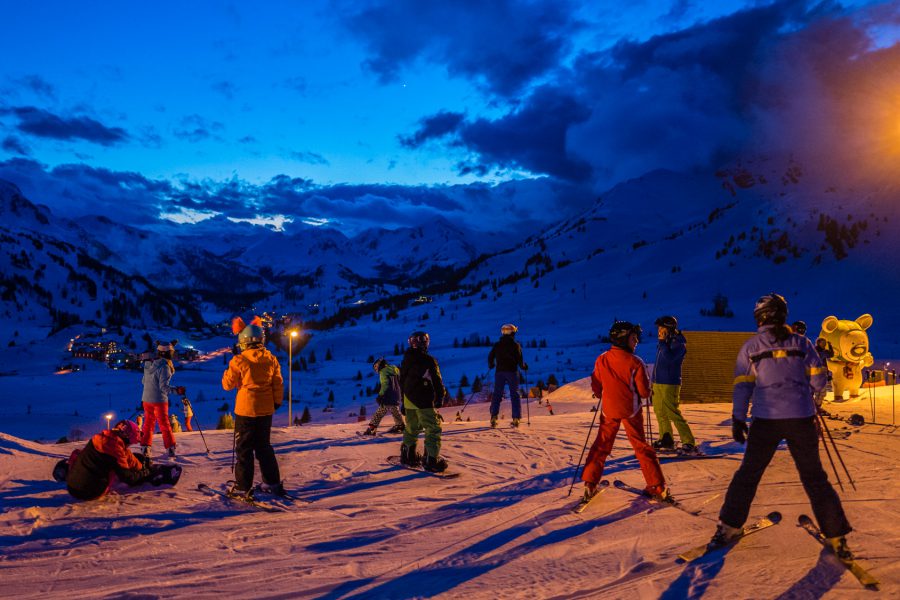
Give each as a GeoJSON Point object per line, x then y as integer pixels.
{"type": "Point", "coordinates": [379, 364]}
{"type": "Point", "coordinates": [621, 330]}
{"type": "Point", "coordinates": [667, 321]}
{"type": "Point", "coordinates": [770, 309]}
{"type": "Point", "coordinates": [799, 327]}
{"type": "Point", "coordinates": [419, 340]}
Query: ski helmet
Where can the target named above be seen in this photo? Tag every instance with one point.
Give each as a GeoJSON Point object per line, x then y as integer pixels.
{"type": "Point", "coordinates": [166, 349]}
{"type": "Point", "coordinates": [799, 327]}
{"type": "Point", "coordinates": [419, 340]}
{"type": "Point", "coordinates": [770, 309]}
{"type": "Point", "coordinates": [379, 364]}
{"type": "Point", "coordinates": [251, 334]}
{"type": "Point", "coordinates": [509, 329]}
{"type": "Point", "coordinates": [620, 332]}
{"type": "Point", "coordinates": [667, 321]}
{"type": "Point", "coordinates": [129, 430]}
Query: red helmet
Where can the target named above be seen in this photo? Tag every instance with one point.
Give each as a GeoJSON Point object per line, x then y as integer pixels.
{"type": "Point", "coordinates": [130, 431]}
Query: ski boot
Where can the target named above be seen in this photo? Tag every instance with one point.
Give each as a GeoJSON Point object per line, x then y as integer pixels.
{"type": "Point", "coordinates": [434, 464]}
{"type": "Point", "coordinates": [409, 456]}
{"type": "Point", "coordinates": [689, 450]}
{"type": "Point", "coordinates": [369, 431]}
{"type": "Point", "coordinates": [659, 492]}
{"type": "Point", "coordinates": [664, 444]}
{"type": "Point", "coordinates": [273, 489]}
{"type": "Point", "coordinates": [493, 421]}
{"type": "Point", "coordinates": [238, 493]}
{"type": "Point", "coordinates": [171, 451]}
{"type": "Point", "coordinates": [397, 429]}
{"type": "Point", "coordinates": [590, 490]}
{"type": "Point", "coordinates": [515, 423]}
{"type": "Point", "coordinates": [724, 535]}
{"type": "Point", "coordinates": [839, 547]}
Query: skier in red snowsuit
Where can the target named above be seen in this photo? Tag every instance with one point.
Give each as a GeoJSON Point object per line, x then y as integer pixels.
{"type": "Point", "coordinates": [620, 380]}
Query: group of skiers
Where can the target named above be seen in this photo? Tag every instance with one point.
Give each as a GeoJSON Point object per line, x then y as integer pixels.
{"type": "Point", "coordinates": [779, 378]}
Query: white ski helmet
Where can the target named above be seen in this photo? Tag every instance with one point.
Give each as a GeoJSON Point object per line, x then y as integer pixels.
{"type": "Point", "coordinates": [509, 329]}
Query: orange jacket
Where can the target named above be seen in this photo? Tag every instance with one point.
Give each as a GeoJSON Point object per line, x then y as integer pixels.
{"type": "Point", "coordinates": [620, 379]}
{"type": "Point", "coordinates": [256, 374]}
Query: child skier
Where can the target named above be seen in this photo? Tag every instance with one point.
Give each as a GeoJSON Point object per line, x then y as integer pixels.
{"type": "Point", "coordinates": [507, 354]}
{"type": "Point", "coordinates": [157, 387]}
{"type": "Point", "coordinates": [256, 375]}
{"type": "Point", "coordinates": [106, 457]}
{"type": "Point", "coordinates": [780, 373]}
{"type": "Point", "coordinates": [670, 352]}
{"type": "Point", "coordinates": [389, 396]}
{"type": "Point", "coordinates": [423, 393]}
{"type": "Point", "coordinates": [620, 380]}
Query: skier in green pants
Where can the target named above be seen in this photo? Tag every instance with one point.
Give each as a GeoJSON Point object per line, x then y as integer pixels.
{"type": "Point", "coordinates": [671, 349]}
{"type": "Point", "coordinates": [423, 393]}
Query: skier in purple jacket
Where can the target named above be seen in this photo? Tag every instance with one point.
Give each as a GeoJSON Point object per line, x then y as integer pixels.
{"type": "Point", "coordinates": [780, 373]}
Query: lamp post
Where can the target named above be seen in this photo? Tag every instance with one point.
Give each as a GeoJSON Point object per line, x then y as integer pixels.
{"type": "Point", "coordinates": [109, 417]}
{"type": "Point", "coordinates": [290, 377]}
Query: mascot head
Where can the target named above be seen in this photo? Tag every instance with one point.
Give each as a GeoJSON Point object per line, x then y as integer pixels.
{"type": "Point", "coordinates": [848, 338]}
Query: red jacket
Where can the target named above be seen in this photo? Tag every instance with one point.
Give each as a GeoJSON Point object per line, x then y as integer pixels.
{"type": "Point", "coordinates": [620, 379]}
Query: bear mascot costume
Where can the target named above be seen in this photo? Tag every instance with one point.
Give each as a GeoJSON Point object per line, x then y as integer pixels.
{"type": "Point", "coordinates": [850, 344]}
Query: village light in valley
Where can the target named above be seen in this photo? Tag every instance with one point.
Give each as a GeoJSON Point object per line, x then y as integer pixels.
{"type": "Point", "coordinates": [108, 417]}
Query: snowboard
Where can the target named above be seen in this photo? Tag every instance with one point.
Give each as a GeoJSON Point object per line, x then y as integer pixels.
{"type": "Point", "coordinates": [165, 474]}
{"type": "Point", "coordinates": [395, 460]}
{"type": "Point", "coordinates": [585, 502]}
{"type": "Point", "coordinates": [773, 518]}
{"type": "Point", "coordinates": [854, 567]}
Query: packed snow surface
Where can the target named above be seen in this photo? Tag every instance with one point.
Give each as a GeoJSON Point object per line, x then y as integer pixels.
{"type": "Point", "coordinates": [503, 529]}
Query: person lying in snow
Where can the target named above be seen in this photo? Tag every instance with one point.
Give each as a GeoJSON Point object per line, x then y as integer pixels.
{"type": "Point", "coordinates": [104, 459]}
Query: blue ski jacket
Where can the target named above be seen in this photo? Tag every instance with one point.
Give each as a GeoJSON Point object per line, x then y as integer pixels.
{"type": "Point", "coordinates": [777, 378]}
{"type": "Point", "coordinates": [157, 376]}
{"type": "Point", "coordinates": [669, 356]}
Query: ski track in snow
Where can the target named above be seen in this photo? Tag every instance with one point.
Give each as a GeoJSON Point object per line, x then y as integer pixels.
{"type": "Point", "coordinates": [503, 529]}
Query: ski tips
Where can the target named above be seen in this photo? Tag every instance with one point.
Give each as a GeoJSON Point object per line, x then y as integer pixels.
{"type": "Point", "coordinates": [775, 516]}
{"type": "Point", "coordinates": [804, 519]}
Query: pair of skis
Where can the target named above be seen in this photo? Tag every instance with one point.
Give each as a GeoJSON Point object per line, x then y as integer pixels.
{"type": "Point", "coordinates": [395, 461]}
{"type": "Point", "coordinates": [265, 505]}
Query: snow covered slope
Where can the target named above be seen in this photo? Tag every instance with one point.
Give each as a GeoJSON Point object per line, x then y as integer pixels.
{"type": "Point", "coordinates": [501, 530]}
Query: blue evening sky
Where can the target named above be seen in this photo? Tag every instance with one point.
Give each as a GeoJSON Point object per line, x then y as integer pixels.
{"type": "Point", "coordinates": [184, 99]}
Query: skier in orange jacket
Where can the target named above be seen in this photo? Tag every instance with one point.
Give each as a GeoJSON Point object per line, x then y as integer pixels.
{"type": "Point", "coordinates": [620, 380]}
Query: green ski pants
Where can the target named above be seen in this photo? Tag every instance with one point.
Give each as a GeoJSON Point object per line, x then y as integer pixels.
{"type": "Point", "coordinates": [665, 405]}
{"type": "Point", "coordinates": [418, 419]}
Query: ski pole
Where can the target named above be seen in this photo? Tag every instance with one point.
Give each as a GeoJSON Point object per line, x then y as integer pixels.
{"type": "Point", "coordinates": [586, 440]}
{"type": "Point", "coordinates": [527, 404]}
{"type": "Point", "coordinates": [837, 477]}
{"type": "Point", "coordinates": [838, 454]}
{"type": "Point", "coordinates": [187, 404]}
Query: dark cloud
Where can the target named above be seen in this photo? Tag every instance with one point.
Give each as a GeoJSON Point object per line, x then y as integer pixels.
{"type": "Point", "coordinates": [776, 77]}
{"type": "Point", "coordinates": [503, 45]}
{"type": "Point", "coordinates": [195, 128]}
{"type": "Point", "coordinates": [38, 85]}
{"type": "Point", "coordinates": [14, 145]}
{"type": "Point", "coordinates": [41, 123]}
{"type": "Point", "coordinates": [532, 137]}
{"type": "Point", "coordinates": [76, 190]}
{"type": "Point", "coordinates": [310, 158]}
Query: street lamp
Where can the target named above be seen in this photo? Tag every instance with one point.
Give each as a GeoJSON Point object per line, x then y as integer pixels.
{"type": "Point", "coordinates": [109, 417]}
{"type": "Point", "coordinates": [290, 377]}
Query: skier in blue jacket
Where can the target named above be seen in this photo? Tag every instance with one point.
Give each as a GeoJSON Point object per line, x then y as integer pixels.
{"type": "Point", "coordinates": [779, 373]}
{"type": "Point", "coordinates": [670, 352]}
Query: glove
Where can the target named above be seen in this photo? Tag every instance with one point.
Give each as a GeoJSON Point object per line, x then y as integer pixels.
{"type": "Point", "coordinates": [179, 389]}
{"type": "Point", "coordinates": [278, 404]}
{"type": "Point", "coordinates": [140, 407]}
{"type": "Point", "coordinates": [524, 366]}
{"type": "Point", "coordinates": [739, 430]}
{"type": "Point", "coordinates": [236, 349]}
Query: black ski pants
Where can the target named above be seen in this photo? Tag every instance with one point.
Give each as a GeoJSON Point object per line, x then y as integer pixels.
{"type": "Point", "coordinates": [251, 437]}
{"type": "Point", "coordinates": [803, 443]}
